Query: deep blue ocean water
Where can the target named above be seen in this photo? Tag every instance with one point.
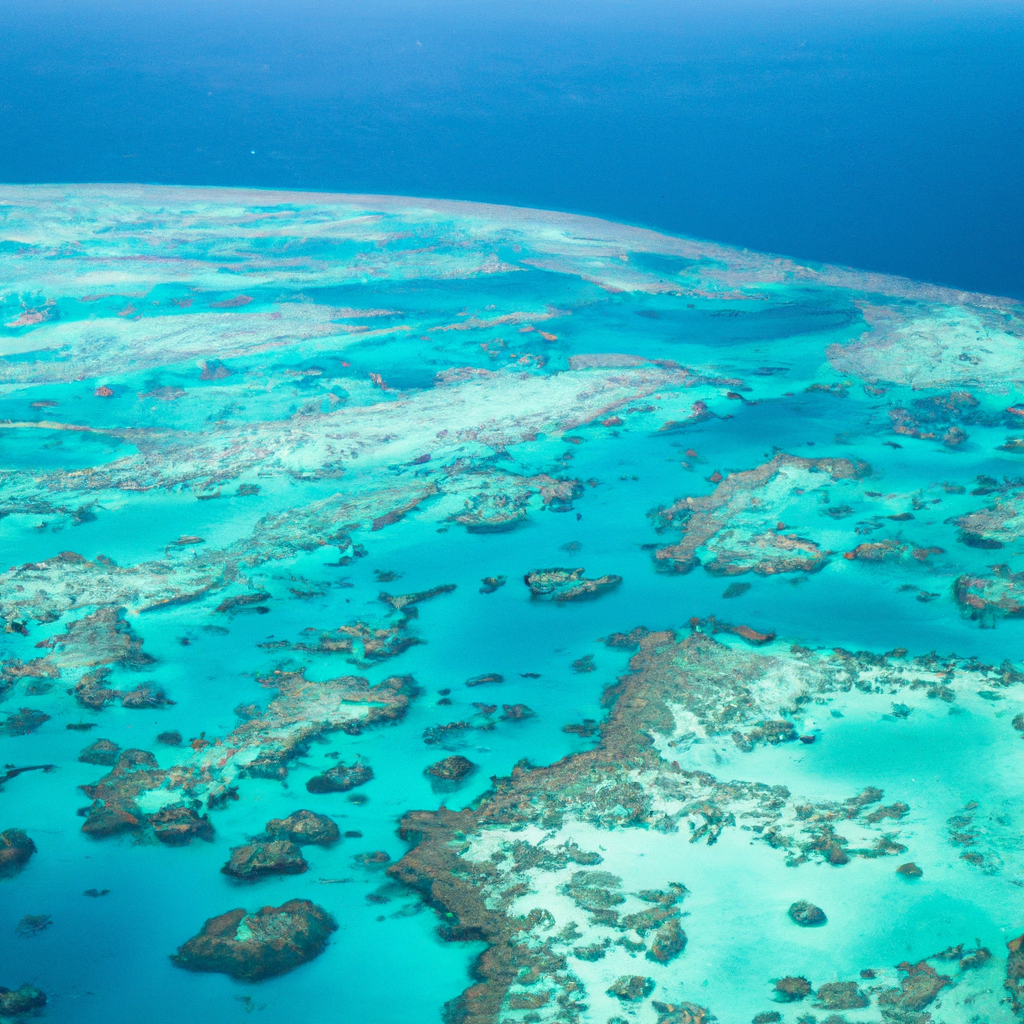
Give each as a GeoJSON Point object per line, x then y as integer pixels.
{"type": "Point", "coordinates": [888, 136]}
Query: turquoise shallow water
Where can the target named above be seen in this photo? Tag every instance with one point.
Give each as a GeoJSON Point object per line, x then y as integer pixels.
{"type": "Point", "coordinates": [304, 401]}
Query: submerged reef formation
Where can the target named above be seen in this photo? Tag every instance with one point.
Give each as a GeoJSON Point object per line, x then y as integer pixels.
{"type": "Point", "coordinates": [262, 747]}
{"type": "Point", "coordinates": [22, 1001]}
{"type": "Point", "coordinates": [255, 860]}
{"type": "Point", "coordinates": [254, 946]}
{"type": "Point", "coordinates": [272, 466]}
{"type": "Point", "coordinates": [807, 915]}
{"type": "Point", "coordinates": [568, 584]}
{"type": "Point", "coordinates": [737, 528]}
{"type": "Point", "coordinates": [304, 827]}
{"type": "Point", "coordinates": [341, 778]}
{"type": "Point", "coordinates": [15, 850]}
{"type": "Point", "coordinates": [536, 870]}
{"type": "Point", "coordinates": [987, 596]}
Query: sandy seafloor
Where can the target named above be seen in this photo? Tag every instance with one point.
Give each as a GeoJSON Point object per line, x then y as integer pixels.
{"type": "Point", "coordinates": [327, 267]}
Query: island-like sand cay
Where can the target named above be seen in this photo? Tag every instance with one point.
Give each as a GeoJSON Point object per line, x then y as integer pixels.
{"type": "Point", "coordinates": [425, 611]}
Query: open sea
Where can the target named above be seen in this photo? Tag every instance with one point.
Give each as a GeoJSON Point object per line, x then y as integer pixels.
{"type": "Point", "coordinates": [887, 136]}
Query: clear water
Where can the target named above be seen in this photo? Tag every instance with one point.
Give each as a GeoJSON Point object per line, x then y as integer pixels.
{"type": "Point", "coordinates": [339, 290]}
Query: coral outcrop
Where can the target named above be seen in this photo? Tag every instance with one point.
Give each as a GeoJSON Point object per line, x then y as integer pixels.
{"type": "Point", "coordinates": [807, 915]}
{"type": "Point", "coordinates": [258, 945]}
{"type": "Point", "coordinates": [21, 1002]}
{"type": "Point", "coordinates": [304, 827]}
{"type": "Point", "coordinates": [340, 778]}
{"type": "Point", "coordinates": [568, 584]}
{"type": "Point", "coordinates": [15, 850]}
{"type": "Point", "coordinates": [451, 769]}
{"type": "Point", "coordinates": [255, 860]}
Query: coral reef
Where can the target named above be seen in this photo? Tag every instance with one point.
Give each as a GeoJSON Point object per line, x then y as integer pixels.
{"type": "Point", "coordinates": [737, 529]}
{"type": "Point", "coordinates": [102, 752]}
{"type": "Point", "coordinates": [116, 801]}
{"type": "Point", "coordinates": [15, 850]}
{"type": "Point", "coordinates": [251, 947]}
{"type": "Point", "coordinates": [992, 595]}
{"type": "Point", "coordinates": [451, 769]}
{"type": "Point", "coordinates": [807, 915]}
{"type": "Point", "coordinates": [341, 778]}
{"type": "Point", "coordinates": [268, 406]}
{"type": "Point", "coordinates": [22, 1001]}
{"type": "Point", "coordinates": [304, 827]}
{"type": "Point", "coordinates": [255, 860]}
{"type": "Point", "coordinates": [474, 865]}
{"type": "Point", "coordinates": [568, 584]}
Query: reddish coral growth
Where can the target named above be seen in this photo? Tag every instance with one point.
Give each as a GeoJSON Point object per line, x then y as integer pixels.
{"type": "Point", "coordinates": [752, 636]}
{"type": "Point", "coordinates": [31, 317]}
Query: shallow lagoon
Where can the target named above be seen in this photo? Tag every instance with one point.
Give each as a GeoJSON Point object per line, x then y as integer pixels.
{"type": "Point", "coordinates": [271, 445]}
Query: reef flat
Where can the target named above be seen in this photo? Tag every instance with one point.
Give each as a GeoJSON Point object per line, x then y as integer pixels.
{"type": "Point", "coordinates": [513, 617]}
